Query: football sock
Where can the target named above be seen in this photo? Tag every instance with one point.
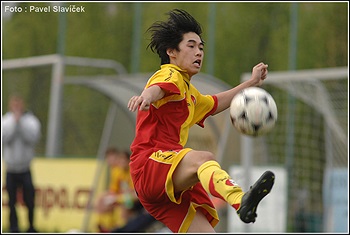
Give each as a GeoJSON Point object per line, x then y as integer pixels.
{"type": "Point", "coordinates": [218, 183]}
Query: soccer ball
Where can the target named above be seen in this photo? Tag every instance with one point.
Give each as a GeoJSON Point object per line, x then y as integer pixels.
{"type": "Point", "coordinates": [253, 111]}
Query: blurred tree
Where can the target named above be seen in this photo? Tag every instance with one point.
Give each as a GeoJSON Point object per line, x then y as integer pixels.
{"type": "Point", "coordinates": [323, 40]}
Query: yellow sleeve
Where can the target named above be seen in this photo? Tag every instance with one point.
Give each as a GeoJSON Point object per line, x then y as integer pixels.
{"type": "Point", "coordinates": [205, 106]}
{"type": "Point", "coordinates": [169, 80]}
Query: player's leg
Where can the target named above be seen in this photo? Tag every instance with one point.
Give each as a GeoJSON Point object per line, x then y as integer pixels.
{"type": "Point", "coordinates": [200, 224]}
{"type": "Point", "coordinates": [176, 210]}
{"type": "Point", "coordinates": [185, 174]}
{"type": "Point", "coordinates": [216, 181]}
{"type": "Point", "coordinates": [200, 166]}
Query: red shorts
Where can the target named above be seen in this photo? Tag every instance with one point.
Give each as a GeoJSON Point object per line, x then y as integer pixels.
{"type": "Point", "coordinates": [156, 192]}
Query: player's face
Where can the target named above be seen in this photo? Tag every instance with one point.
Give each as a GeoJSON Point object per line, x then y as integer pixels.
{"type": "Point", "coordinates": [190, 55]}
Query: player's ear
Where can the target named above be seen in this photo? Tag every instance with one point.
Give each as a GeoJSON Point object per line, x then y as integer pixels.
{"type": "Point", "coordinates": [170, 52]}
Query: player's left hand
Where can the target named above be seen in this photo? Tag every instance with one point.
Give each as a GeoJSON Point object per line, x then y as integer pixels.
{"type": "Point", "coordinates": [259, 73]}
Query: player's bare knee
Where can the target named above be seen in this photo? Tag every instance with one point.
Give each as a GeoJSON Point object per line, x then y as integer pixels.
{"type": "Point", "coordinates": [206, 156]}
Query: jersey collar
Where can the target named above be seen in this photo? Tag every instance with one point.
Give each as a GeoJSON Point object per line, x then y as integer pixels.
{"type": "Point", "coordinates": [184, 72]}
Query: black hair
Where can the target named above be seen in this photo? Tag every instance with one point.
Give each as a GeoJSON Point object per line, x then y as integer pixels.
{"type": "Point", "coordinates": [169, 34]}
{"type": "Point", "coordinates": [126, 154]}
{"type": "Point", "coordinates": [111, 150]}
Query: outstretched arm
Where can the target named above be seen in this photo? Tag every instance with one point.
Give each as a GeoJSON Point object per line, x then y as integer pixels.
{"type": "Point", "coordinates": [148, 96]}
{"type": "Point", "coordinates": [259, 74]}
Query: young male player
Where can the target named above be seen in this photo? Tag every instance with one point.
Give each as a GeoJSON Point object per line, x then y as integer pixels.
{"type": "Point", "coordinates": [173, 182]}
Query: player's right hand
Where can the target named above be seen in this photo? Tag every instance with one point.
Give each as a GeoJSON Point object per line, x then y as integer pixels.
{"type": "Point", "coordinates": [136, 102]}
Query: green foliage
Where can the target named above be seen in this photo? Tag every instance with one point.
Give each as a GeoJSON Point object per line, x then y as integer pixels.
{"type": "Point", "coordinates": [29, 34]}
{"type": "Point", "coordinates": [323, 40]}
{"type": "Point", "coordinates": [245, 34]}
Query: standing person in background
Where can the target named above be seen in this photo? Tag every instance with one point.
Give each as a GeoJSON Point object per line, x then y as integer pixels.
{"type": "Point", "coordinates": [21, 131]}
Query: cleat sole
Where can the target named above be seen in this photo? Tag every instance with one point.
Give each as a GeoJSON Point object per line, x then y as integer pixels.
{"type": "Point", "coordinates": [251, 199]}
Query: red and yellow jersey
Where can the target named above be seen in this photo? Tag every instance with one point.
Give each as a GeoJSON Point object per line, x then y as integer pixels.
{"type": "Point", "coordinates": [166, 124]}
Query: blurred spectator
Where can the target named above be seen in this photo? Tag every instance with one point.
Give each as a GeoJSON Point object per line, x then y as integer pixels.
{"type": "Point", "coordinates": [121, 197]}
{"type": "Point", "coordinates": [118, 203]}
{"type": "Point", "coordinates": [21, 131]}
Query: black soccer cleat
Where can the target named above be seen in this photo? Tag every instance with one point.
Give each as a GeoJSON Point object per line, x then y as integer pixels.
{"type": "Point", "coordinates": [251, 199]}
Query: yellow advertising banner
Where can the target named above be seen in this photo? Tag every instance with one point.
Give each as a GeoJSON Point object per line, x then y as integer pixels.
{"type": "Point", "coordinates": [63, 188]}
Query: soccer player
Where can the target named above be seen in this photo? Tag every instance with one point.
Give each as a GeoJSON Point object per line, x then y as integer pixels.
{"type": "Point", "coordinates": [173, 182]}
